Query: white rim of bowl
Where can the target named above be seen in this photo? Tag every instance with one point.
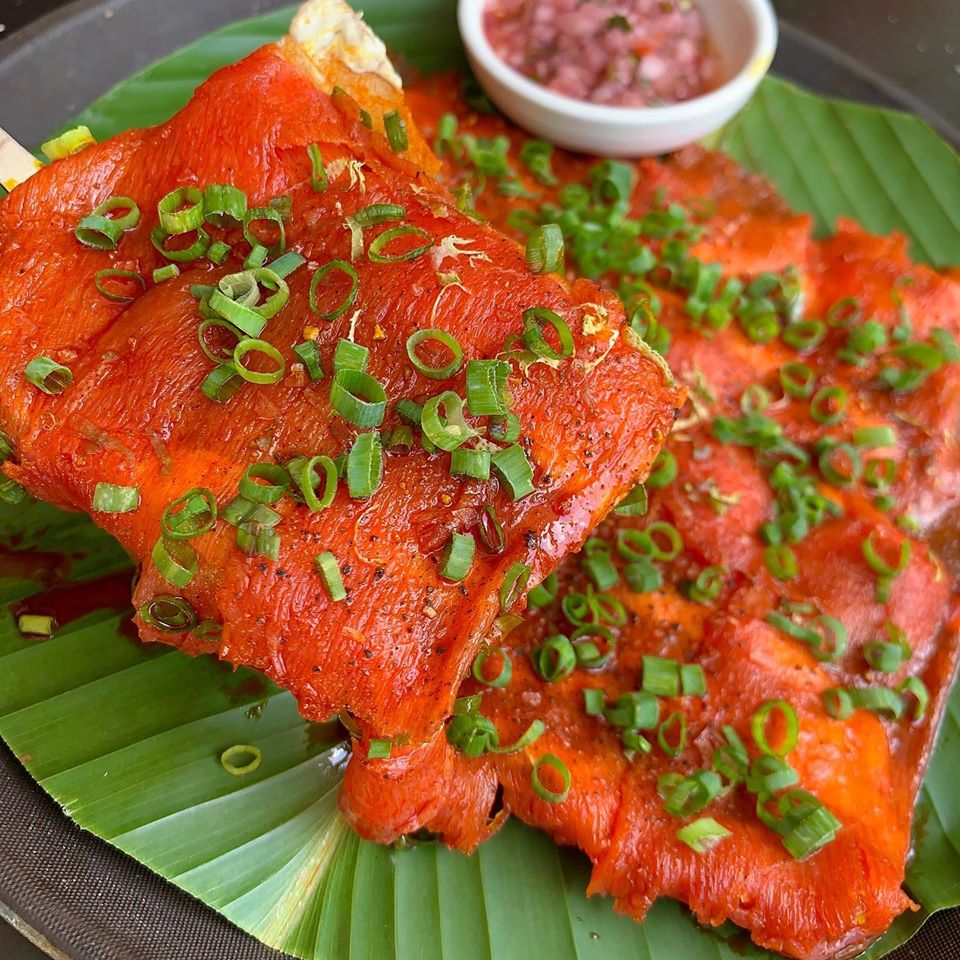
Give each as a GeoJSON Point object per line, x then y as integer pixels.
{"type": "Point", "coordinates": [470, 17]}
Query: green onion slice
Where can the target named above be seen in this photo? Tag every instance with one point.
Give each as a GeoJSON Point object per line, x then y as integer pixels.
{"type": "Point", "coordinates": [470, 463]}
{"type": "Point", "coordinates": [702, 834]}
{"type": "Point", "coordinates": [444, 424]}
{"type": "Point", "coordinates": [264, 483]}
{"type": "Point", "coordinates": [761, 720]}
{"type": "Point", "coordinates": [797, 379]}
{"type": "Point", "coordinates": [446, 341]}
{"type": "Point", "coordinates": [101, 231]}
{"type": "Point", "coordinates": [554, 763]}
{"type": "Point", "coordinates": [265, 215]}
{"type": "Point", "coordinates": [554, 659]}
{"type": "Point", "coordinates": [491, 530]}
{"type": "Point", "coordinates": [514, 584]}
{"type": "Point", "coordinates": [456, 561]}
{"type": "Point", "coordinates": [241, 759]}
{"type": "Point", "coordinates": [534, 321]}
{"type": "Point", "coordinates": [113, 498]}
{"type": "Point", "coordinates": [309, 355]}
{"type": "Point", "coordinates": [318, 172]}
{"type": "Point", "coordinates": [396, 129]}
{"type": "Point", "coordinates": [221, 383]}
{"type": "Point", "coordinates": [48, 376]}
{"type": "Point", "coordinates": [176, 561]}
{"type": "Point", "coordinates": [514, 470]}
{"type": "Point", "coordinates": [358, 397]}
{"type": "Point", "coordinates": [828, 405]}
{"type": "Point", "coordinates": [916, 688]}
{"type": "Point", "coordinates": [169, 613]}
{"type": "Point", "coordinates": [181, 210]}
{"type": "Point", "coordinates": [493, 655]}
{"type": "Point", "coordinates": [365, 465]}
{"type": "Point", "coordinates": [193, 513]}
{"type": "Point", "coordinates": [329, 570]}
{"type": "Point", "coordinates": [349, 298]}
{"type": "Point", "coordinates": [661, 676]}
{"type": "Point", "coordinates": [306, 473]}
{"type": "Point", "coordinates": [376, 252]}
{"type": "Point", "coordinates": [224, 205]}
{"type": "Point", "coordinates": [545, 249]}
{"type": "Point", "coordinates": [168, 272]}
{"type": "Point", "coordinates": [487, 391]}
{"type": "Point", "coordinates": [672, 734]}
{"type": "Point", "coordinates": [195, 250]}
{"type": "Point", "coordinates": [252, 345]}
{"type": "Point", "coordinates": [109, 274]}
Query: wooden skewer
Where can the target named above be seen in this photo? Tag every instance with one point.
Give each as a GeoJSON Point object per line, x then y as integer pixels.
{"type": "Point", "coordinates": [16, 162]}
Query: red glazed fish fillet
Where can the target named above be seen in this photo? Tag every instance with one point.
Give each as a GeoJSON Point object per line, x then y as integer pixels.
{"type": "Point", "coordinates": [393, 652]}
{"type": "Point", "coordinates": [867, 769]}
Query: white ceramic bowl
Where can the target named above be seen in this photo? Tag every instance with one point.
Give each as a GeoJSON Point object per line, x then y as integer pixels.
{"type": "Point", "coordinates": [744, 35]}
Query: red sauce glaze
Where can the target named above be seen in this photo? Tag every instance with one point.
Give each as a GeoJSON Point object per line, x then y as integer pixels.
{"type": "Point", "coordinates": [866, 770]}
{"type": "Point", "coordinates": [393, 653]}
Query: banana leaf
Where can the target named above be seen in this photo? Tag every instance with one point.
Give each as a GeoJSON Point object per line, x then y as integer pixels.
{"type": "Point", "coordinates": [128, 739]}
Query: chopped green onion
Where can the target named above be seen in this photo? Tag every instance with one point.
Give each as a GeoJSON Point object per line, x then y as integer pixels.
{"type": "Point", "coordinates": [513, 470]}
{"type": "Point", "coordinates": [358, 398]}
{"type": "Point", "coordinates": [702, 834]}
{"type": "Point", "coordinates": [376, 254]}
{"type": "Point", "coordinates": [661, 676]}
{"type": "Point", "coordinates": [318, 172]}
{"type": "Point", "coordinates": [286, 264]}
{"type": "Point", "coordinates": [545, 249]}
{"type": "Point", "coordinates": [48, 376]}
{"type": "Point", "coordinates": [472, 734]}
{"type": "Point", "coordinates": [379, 748]}
{"type": "Point", "coordinates": [804, 334]}
{"type": "Point", "coordinates": [470, 463]}
{"type": "Point", "coordinates": [797, 379]}
{"type": "Point", "coordinates": [68, 143]}
{"type": "Point", "coordinates": [176, 561]}
{"type": "Point", "coordinates": [664, 470]}
{"type": "Point", "coordinates": [634, 504]}
{"type": "Point", "coordinates": [200, 245]}
{"type": "Point", "coordinates": [881, 700]}
{"type": "Point", "coordinates": [365, 465]}
{"type": "Point", "coordinates": [536, 154]}
{"type": "Point", "coordinates": [828, 405]}
{"type": "Point", "coordinates": [730, 759]}
{"type": "Point", "coordinates": [642, 576]}
{"type": "Point", "coordinates": [693, 682]}
{"type": "Point", "coordinates": [883, 656]}
{"type": "Point", "coordinates": [514, 584]}
{"type": "Point", "coordinates": [102, 232]}
{"type": "Point", "coordinates": [168, 272]}
{"type": "Point", "coordinates": [491, 530]}
{"type": "Point", "coordinates": [329, 570]}
{"type": "Point", "coordinates": [755, 399]}
{"type": "Point", "coordinates": [181, 211]}
{"type": "Point", "coordinates": [396, 130]}
{"type": "Point", "coordinates": [594, 701]}
{"type": "Point", "coordinates": [222, 382]}
{"type": "Point", "coordinates": [378, 213]}
{"type": "Point", "coordinates": [769, 775]}
{"type": "Point", "coordinates": [885, 572]}
{"type": "Point", "coordinates": [193, 513]}
{"type": "Point", "coordinates": [559, 767]}
{"type": "Point", "coordinates": [252, 345]}
{"type": "Point", "coordinates": [224, 205]}
{"type": "Point", "coordinates": [268, 215]}
{"type": "Point", "coordinates": [840, 464]}
{"type": "Point", "coordinates": [685, 796]}
{"type": "Point", "coordinates": [309, 353]}
{"type": "Point", "coordinates": [305, 474]}
{"type": "Point", "coordinates": [351, 294]}
{"type": "Point", "coordinates": [109, 274]}
{"type": "Point", "coordinates": [814, 831]}
{"type": "Point", "coordinates": [443, 422]}
{"type": "Point", "coordinates": [838, 703]}
{"type": "Point", "coordinates": [350, 356]}
{"type": "Point", "coordinates": [487, 393]}
{"type": "Point", "coordinates": [169, 613]}
{"type": "Point", "coordinates": [505, 673]}
{"type": "Point", "coordinates": [544, 593]}
{"type": "Point", "coordinates": [637, 710]}
{"type": "Point", "coordinates": [554, 659]}
{"type": "Point", "coordinates": [218, 252]}
{"type": "Point", "coordinates": [880, 474]}
{"type": "Point", "coordinates": [708, 585]}
{"type": "Point", "coordinates": [760, 720]}
{"type": "Point", "coordinates": [256, 258]}
{"type": "Point", "coordinates": [11, 493]}
{"type": "Point", "coordinates": [112, 498]}
{"type": "Point", "coordinates": [450, 343]}
{"type": "Point", "coordinates": [35, 625]}
{"type": "Point", "coordinates": [600, 569]}
{"type": "Point", "coordinates": [875, 437]}
{"type": "Point", "coordinates": [672, 734]}
{"type": "Point", "coordinates": [780, 561]}
{"type": "Point", "coordinates": [916, 688]}
{"type": "Point", "coordinates": [505, 429]}
{"type": "Point", "coordinates": [241, 759]}
{"type": "Point", "coordinates": [457, 558]}
{"type": "Point", "coordinates": [276, 482]}
{"type": "Point", "coordinates": [534, 320]}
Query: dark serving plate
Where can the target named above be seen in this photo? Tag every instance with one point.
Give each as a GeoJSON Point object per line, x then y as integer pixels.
{"type": "Point", "coordinates": [76, 897]}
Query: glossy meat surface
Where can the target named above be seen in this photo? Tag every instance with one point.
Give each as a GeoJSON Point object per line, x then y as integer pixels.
{"type": "Point", "coordinates": [866, 769]}
{"type": "Point", "coordinates": [393, 653]}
